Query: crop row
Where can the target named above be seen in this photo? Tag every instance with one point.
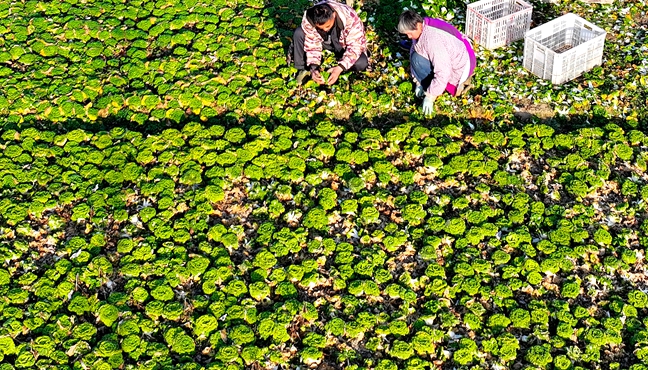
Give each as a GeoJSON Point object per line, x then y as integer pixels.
{"type": "Point", "coordinates": [166, 61]}
{"type": "Point", "coordinates": [406, 248]}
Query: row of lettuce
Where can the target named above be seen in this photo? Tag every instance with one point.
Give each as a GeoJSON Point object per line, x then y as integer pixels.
{"type": "Point", "coordinates": [413, 247]}
{"type": "Point", "coordinates": [164, 61]}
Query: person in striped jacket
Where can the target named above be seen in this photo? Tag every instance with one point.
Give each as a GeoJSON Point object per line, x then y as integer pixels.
{"type": "Point", "coordinates": [441, 57]}
{"type": "Point", "coordinates": [333, 26]}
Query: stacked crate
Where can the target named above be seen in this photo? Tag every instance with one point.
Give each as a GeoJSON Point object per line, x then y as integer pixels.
{"type": "Point", "coordinates": [495, 23]}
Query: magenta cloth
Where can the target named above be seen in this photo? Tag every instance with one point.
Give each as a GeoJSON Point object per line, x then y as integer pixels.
{"type": "Point", "coordinates": [447, 27]}
{"type": "Point", "coordinates": [451, 89]}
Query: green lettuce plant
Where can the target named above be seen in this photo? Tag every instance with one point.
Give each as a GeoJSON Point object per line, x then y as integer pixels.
{"type": "Point", "coordinates": [311, 355]}
{"type": "Point", "coordinates": [79, 305]}
{"type": "Point", "coordinates": [401, 350]}
{"type": "Point", "coordinates": [539, 355]}
{"type": "Point", "coordinates": [571, 289]}
{"type": "Point", "coordinates": [241, 334]}
{"type": "Point", "coordinates": [466, 353]}
{"type": "Point", "coordinates": [108, 314]}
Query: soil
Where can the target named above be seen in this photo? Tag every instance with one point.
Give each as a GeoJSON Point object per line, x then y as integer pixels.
{"type": "Point", "coordinates": [528, 110]}
{"type": "Point", "coordinates": [598, 1]}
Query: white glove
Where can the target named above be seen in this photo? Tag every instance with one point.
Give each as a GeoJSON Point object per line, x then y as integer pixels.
{"type": "Point", "coordinates": [419, 92]}
{"type": "Point", "coordinates": [428, 105]}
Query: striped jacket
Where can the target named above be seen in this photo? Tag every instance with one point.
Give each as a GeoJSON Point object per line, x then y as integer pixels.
{"type": "Point", "coordinates": [352, 37]}
{"type": "Point", "coordinates": [447, 54]}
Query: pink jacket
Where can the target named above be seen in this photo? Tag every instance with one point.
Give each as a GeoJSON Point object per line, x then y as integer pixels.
{"type": "Point", "coordinates": [352, 37]}
{"type": "Point", "coordinates": [447, 54]}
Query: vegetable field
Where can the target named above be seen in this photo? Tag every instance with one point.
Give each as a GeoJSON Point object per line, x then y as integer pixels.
{"type": "Point", "coordinates": [172, 200]}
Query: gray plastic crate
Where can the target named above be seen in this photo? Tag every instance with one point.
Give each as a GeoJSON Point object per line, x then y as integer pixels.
{"type": "Point", "coordinates": [495, 23]}
{"type": "Point", "coordinates": [564, 48]}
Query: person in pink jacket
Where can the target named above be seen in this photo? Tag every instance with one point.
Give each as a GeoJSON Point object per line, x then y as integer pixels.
{"type": "Point", "coordinates": [441, 58]}
{"type": "Point", "coordinates": [333, 26]}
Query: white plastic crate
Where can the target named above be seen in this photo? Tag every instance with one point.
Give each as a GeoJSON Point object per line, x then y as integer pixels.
{"type": "Point", "coordinates": [495, 23]}
{"type": "Point", "coordinates": [564, 48]}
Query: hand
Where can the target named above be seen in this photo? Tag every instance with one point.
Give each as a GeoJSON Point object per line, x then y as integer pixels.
{"type": "Point", "coordinates": [317, 77]}
{"type": "Point", "coordinates": [419, 92]}
{"type": "Point", "coordinates": [428, 105]}
{"type": "Point", "coordinates": [334, 74]}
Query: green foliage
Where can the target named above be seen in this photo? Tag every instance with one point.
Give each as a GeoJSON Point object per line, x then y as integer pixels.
{"type": "Point", "coordinates": [499, 321]}
{"type": "Point", "coordinates": [520, 318]}
{"type": "Point", "coordinates": [205, 324]}
{"type": "Point", "coordinates": [84, 331]}
{"type": "Point", "coordinates": [179, 341]}
{"type": "Point", "coordinates": [108, 314]}
{"type": "Point", "coordinates": [251, 354]}
{"type": "Point", "coordinates": [264, 259]}
{"type": "Point", "coordinates": [241, 221]}
{"type": "Point", "coordinates": [399, 328]}
{"type": "Point", "coordinates": [570, 289]}
{"type": "Point", "coordinates": [638, 299]}
{"type": "Point", "coordinates": [335, 326]}
{"type": "Point", "coordinates": [414, 214]}
{"type": "Point", "coordinates": [24, 360]}
{"type": "Point", "coordinates": [79, 305]}
{"type": "Point", "coordinates": [214, 194]}
{"type": "Point", "coordinates": [236, 288]}
{"type": "Point", "coordinates": [241, 334]}
{"type": "Point", "coordinates": [401, 350]}
{"type": "Point", "coordinates": [455, 226]}
{"type": "Point", "coordinates": [539, 355]}
{"type": "Point", "coordinates": [310, 354]}
{"type": "Point", "coordinates": [198, 265]}
{"type": "Point", "coordinates": [315, 340]}
{"type": "Point", "coordinates": [562, 362]}
{"type": "Point", "coordinates": [227, 354]}
{"type": "Point", "coordinates": [423, 343]}
{"type": "Point", "coordinates": [259, 290]}
{"type": "Point", "coordinates": [327, 198]}
{"type": "Point", "coordinates": [7, 345]}
{"type": "Point", "coordinates": [602, 237]}
{"type": "Point", "coordinates": [5, 277]}
{"type": "Point", "coordinates": [466, 352]}
{"type": "Point", "coordinates": [369, 215]}
{"type": "Point", "coordinates": [162, 293]}
{"type": "Point", "coordinates": [316, 218]}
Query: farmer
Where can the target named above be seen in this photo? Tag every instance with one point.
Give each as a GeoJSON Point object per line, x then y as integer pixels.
{"type": "Point", "coordinates": [441, 58]}
{"type": "Point", "coordinates": [333, 26]}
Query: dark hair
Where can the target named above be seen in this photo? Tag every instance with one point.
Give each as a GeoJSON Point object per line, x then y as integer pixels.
{"type": "Point", "coordinates": [408, 21]}
{"type": "Point", "coordinates": [319, 14]}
